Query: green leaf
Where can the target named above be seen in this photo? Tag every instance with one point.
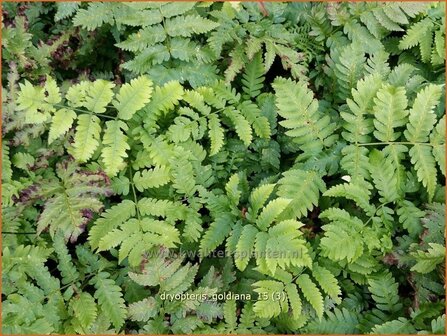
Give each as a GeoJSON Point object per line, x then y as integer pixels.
{"type": "Point", "coordinates": [86, 139]}
{"type": "Point", "coordinates": [61, 123]}
{"type": "Point", "coordinates": [110, 299]}
{"type": "Point", "coordinates": [84, 308]}
{"type": "Point", "coordinates": [115, 147]}
{"type": "Point", "coordinates": [311, 293]}
{"type": "Point", "coordinates": [133, 96]}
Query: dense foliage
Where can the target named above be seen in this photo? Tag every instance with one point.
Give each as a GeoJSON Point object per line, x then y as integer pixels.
{"type": "Point", "coordinates": [223, 168]}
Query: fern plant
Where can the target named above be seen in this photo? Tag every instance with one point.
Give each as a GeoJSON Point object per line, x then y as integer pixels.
{"type": "Point", "coordinates": [267, 168]}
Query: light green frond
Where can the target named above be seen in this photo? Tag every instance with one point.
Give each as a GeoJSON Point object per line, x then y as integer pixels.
{"type": "Point", "coordinates": [437, 139]}
{"type": "Point", "coordinates": [216, 234]}
{"type": "Point", "coordinates": [84, 308]}
{"type": "Point", "coordinates": [187, 25]}
{"type": "Point", "coordinates": [311, 293]}
{"type": "Point", "coordinates": [133, 96]}
{"type": "Point", "coordinates": [99, 96]}
{"type": "Point", "coordinates": [428, 261]}
{"type": "Point", "coordinates": [357, 124]}
{"type": "Point", "coordinates": [241, 125]}
{"type": "Point", "coordinates": [258, 197]}
{"type": "Point", "coordinates": [115, 146]}
{"type": "Point", "coordinates": [61, 123]}
{"type": "Point", "coordinates": [425, 165]}
{"type": "Point", "coordinates": [165, 98]}
{"type": "Point", "coordinates": [152, 178]}
{"type": "Point", "coordinates": [271, 211]}
{"type": "Point", "coordinates": [359, 192]}
{"type": "Point", "coordinates": [327, 282]}
{"type": "Point", "coordinates": [86, 139]}
{"type": "Point", "coordinates": [244, 247]}
{"type": "Point", "coordinates": [294, 300]}
{"type": "Point", "coordinates": [304, 187]}
{"type": "Point", "coordinates": [111, 219]}
{"type": "Point", "coordinates": [384, 176]}
{"type": "Point", "coordinates": [259, 122]}
{"type": "Point", "coordinates": [216, 134]}
{"type": "Point", "coordinates": [253, 77]}
{"type": "Point", "coordinates": [422, 117]}
{"type": "Point", "coordinates": [389, 112]}
{"type": "Point", "coordinates": [110, 299]}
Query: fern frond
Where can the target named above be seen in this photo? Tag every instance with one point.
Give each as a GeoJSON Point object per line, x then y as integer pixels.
{"type": "Point", "coordinates": [216, 234]}
{"type": "Point", "coordinates": [187, 25]}
{"type": "Point", "coordinates": [241, 125]}
{"type": "Point", "coordinates": [99, 96]}
{"type": "Point", "coordinates": [311, 293]}
{"type": "Point", "coordinates": [294, 300]}
{"type": "Point", "coordinates": [410, 217]}
{"type": "Point", "coordinates": [422, 117]}
{"type": "Point", "coordinates": [428, 261]}
{"type": "Point", "coordinates": [327, 282]}
{"type": "Point", "coordinates": [359, 192]}
{"type": "Point", "coordinates": [384, 291]}
{"type": "Point", "coordinates": [303, 187]}
{"type": "Point", "coordinates": [389, 112]}
{"type": "Point", "coordinates": [357, 124]}
{"type": "Point", "coordinates": [111, 219]}
{"type": "Point", "coordinates": [166, 97]}
{"type": "Point", "coordinates": [340, 321]}
{"type": "Point", "coordinates": [384, 176]}
{"type": "Point", "coordinates": [267, 307]}
{"type": "Point", "coordinates": [253, 77]}
{"type": "Point", "coordinates": [415, 34]}
{"type": "Point", "coordinates": [133, 96]}
{"type": "Point", "coordinates": [355, 162]}
{"type": "Point", "coordinates": [86, 139]}
{"type": "Point", "coordinates": [342, 238]}
{"type": "Point", "coordinates": [84, 308]}
{"type": "Point", "coordinates": [425, 165]}
{"type": "Point", "coordinates": [270, 212]}
{"type": "Point", "coordinates": [115, 146]}
{"type": "Point", "coordinates": [152, 178]}
{"type": "Point", "coordinates": [110, 298]}
{"type": "Point", "coordinates": [258, 197]}
{"type": "Point", "coordinates": [94, 16]}
{"type": "Point", "coordinates": [437, 139]}
{"type": "Point", "coordinates": [306, 125]}
{"type": "Point", "coordinates": [66, 267]}
{"type": "Point", "coordinates": [259, 122]}
{"type": "Point", "coordinates": [216, 134]}
{"type": "Point", "coordinates": [61, 123]}
{"type": "Point", "coordinates": [143, 310]}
